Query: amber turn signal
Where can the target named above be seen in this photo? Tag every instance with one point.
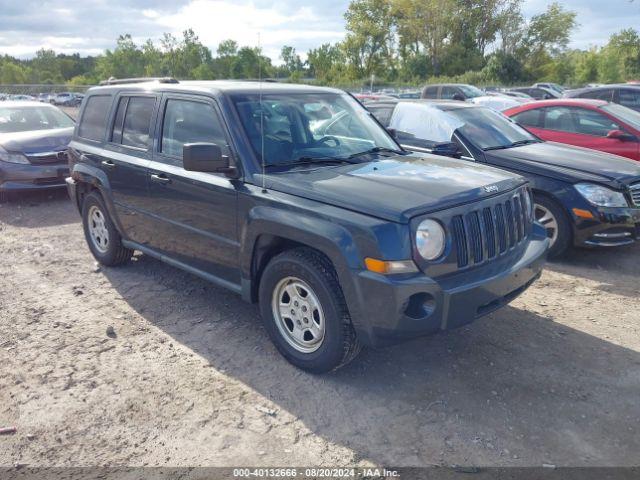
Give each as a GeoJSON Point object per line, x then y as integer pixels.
{"type": "Point", "coordinates": [578, 212]}
{"type": "Point", "coordinates": [386, 267]}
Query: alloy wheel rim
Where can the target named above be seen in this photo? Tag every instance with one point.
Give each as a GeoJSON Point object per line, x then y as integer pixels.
{"type": "Point", "coordinates": [298, 314]}
{"type": "Point", "coordinates": [98, 229]}
{"type": "Point", "coordinates": [548, 220]}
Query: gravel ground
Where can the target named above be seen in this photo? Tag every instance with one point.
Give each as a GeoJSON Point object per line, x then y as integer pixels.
{"type": "Point", "coordinates": [187, 376]}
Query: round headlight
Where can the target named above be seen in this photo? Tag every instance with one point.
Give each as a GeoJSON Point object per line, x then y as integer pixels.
{"type": "Point", "coordinates": [430, 239]}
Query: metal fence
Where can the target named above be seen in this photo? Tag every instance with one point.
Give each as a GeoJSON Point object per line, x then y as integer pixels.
{"type": "Point", "coordinates": [37, 89]}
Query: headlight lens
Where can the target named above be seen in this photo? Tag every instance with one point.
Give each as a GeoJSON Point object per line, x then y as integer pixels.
{"type": "Point", "coordinates": [601, 196]}
{"type": "Point", "coordinates": [12, 157]}
{"type": "Point", "coordinates": [528, 203]}
{"type": "Point", "coordinates": [430, 239]}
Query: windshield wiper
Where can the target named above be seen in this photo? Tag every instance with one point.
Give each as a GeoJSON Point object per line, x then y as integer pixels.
{"type": "Point", "coordinates": [524, 142]}
{"type": "Point", "coordinates": [376, 150]}
{"type": "Point", "coordinates": [510, 145]}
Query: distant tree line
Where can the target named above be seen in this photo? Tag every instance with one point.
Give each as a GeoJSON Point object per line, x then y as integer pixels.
{"type": "Point", "coordinates": [400, 42]}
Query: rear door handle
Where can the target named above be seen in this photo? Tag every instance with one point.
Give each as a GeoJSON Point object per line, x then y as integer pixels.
{"type": "Point", "coordinates": [108, 164]}
{"type": "Point", "coordinates": [160, 178]}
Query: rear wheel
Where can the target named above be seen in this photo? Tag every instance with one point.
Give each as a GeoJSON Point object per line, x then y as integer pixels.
{"type": "Point", "coordinates": [304, 311]}
{"type": "Point", "coordinates": [103, 238]}
{"type": "Point", "coordinates": [552, 217]}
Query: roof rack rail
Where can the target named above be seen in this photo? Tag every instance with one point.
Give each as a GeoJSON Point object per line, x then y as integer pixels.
{"type": "Point", "coordinates": [120, 81]}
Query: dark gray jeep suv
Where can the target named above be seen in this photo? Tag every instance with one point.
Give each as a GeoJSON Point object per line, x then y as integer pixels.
{"type": "Point", "coordinates": [342, 237]}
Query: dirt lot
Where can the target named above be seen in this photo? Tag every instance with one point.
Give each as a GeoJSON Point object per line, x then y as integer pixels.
{"type": "Point", "coordinates": [190, 378]}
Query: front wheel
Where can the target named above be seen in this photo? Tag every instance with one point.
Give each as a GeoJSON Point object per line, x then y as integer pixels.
{"type": "Point", "coordinates": [552, 217]}
{"type": "Point", "coordinates": [304, 311]}
{"type": "Point", "coordinates": [101, 234]}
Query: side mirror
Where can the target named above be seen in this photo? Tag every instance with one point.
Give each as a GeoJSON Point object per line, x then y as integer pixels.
{"type": "Point", "coordinates": [619, 135]}
{"type": "Point", "coordinates": [446, 149]}
{"type": "Point", "coordinates": [393, 132]}
{"type": "Point", "coordinates": [206, 157]}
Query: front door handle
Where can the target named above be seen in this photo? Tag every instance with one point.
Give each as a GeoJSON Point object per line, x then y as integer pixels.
{"type": "Point", "coordinates": [108, 164]}
{"type": "Point", "coordinates": [160, 178]}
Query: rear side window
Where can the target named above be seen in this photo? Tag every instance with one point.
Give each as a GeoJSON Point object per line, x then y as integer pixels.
{"type": "Point", "coordinates": [529, 118]}
{"type": "Point", "coordinates": [94, 118]}
{"type": "Point", "coordinates": [560, 119]}
{"type": "Point", "coordinates": [132, 122]}
{"type": "Point", "coordinates": [187, 121]}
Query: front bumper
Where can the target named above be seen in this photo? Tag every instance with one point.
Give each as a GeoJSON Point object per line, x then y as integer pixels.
{"type": "Point", "coordinates": [390, 310]}
{"type": "Point", "coordinates": [18, 177]}
{"type": "Point", "coordinates": [610, 227]}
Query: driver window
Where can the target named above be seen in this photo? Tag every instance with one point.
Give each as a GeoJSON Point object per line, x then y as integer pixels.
{"type": "Point", "coordinates": [593, 123]}
{"type": "Point", "coordinates": [188, 121]}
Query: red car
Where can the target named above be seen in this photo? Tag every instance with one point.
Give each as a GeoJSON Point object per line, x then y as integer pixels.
{"type": "Point", "coordinates": [595, 124]}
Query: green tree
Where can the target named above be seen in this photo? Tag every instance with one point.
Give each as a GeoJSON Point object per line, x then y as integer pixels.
{"type": "Point", "coordinates": [11, 73]}
{"type": "Point", "coordinates": [369, 26]}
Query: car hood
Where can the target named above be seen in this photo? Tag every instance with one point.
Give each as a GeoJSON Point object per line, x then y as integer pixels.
{"type": "Point", "coordinates": [397, 188]}
{"type": "Point", "coordinates": [37, 141]}
{"type": "Point", "coordinates": [572, 163]}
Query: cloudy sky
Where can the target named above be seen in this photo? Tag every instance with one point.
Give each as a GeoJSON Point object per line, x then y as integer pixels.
{"type": "Point", "coordinates": [90, 26]}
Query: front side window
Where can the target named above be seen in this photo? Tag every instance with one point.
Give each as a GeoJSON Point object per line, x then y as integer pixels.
{"type": "Point", "coordinates": [26, 119]}
{"type": "Point", "coordinates": [630, 98]}
{"type": "Point", "coordinates": [578, 120]}
{"type": "Point", "coordinates": [448, 93]}
{"type": "Point", "coordinates": [431, 92]}
{"type": "Point", "coordinates": [606, 95]}
{"type": "Point", "coordinates": [187, 121]}
{"type": "Point", "coordinates": [94, 118]}
{"type": "Point", "coordinates": [470, 91]}
{"type": "Point", "coordinates": [593, 123]}
{"type": "Point", "coordinates": [290, 128]}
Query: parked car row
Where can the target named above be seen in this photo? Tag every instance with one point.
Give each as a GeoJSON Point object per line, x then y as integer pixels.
{"type": "Point", "coordinates": [66, 99]}
{"type": "Point", "coordinates": [581, 196]}
{"type": "Point", "coordinates": [348, 225]}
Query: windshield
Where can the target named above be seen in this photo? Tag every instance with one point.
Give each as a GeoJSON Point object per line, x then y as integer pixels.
{"type": "Point", "coordinates": [25, 119]}
{"type": "Point", "coordinates": [627, 115]}
{"type": "Point", "coordinates": [489, 130]}
{"type": "Point", "coordinates": [308, 126]}
{"type": "Point", "coordinates": [471, 91]}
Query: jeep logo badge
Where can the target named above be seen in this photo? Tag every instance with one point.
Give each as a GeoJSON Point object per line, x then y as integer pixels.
{"type": "Point", "coordinates": [491, 188]}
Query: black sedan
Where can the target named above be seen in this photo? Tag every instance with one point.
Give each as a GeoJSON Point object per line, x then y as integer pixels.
{"type": "Point", "coordinates": [583, 197]}
{"type": "Point", "coordinates": [33, 145]}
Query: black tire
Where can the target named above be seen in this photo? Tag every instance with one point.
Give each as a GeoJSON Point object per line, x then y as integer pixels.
{"type": "Point", "coordinates": [114, 253]}
{"type": "Point", "coordinates": [340, 344]}
{"type": "Point", "coordinates": [565, 234]}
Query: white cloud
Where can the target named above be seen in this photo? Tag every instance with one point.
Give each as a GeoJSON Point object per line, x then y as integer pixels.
{"type": "Point", "coordinates": [218, 20]}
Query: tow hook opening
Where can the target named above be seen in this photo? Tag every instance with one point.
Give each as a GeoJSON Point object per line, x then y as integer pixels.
{"type": "Point", "coordinates": [420, 306]}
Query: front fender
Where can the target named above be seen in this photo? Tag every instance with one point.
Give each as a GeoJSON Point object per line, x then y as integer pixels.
{"type": "Point", "coordinates": [332, 239]}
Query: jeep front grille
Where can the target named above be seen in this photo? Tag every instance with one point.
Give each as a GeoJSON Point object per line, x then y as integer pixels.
{"type": "Point", "coordinates": [491, 231]}
{"type": "Point", "coordinates": [635, 193]}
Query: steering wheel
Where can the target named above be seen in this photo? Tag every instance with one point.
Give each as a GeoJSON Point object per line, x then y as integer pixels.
{"type": "Point", "coordinates": [330, 138]}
